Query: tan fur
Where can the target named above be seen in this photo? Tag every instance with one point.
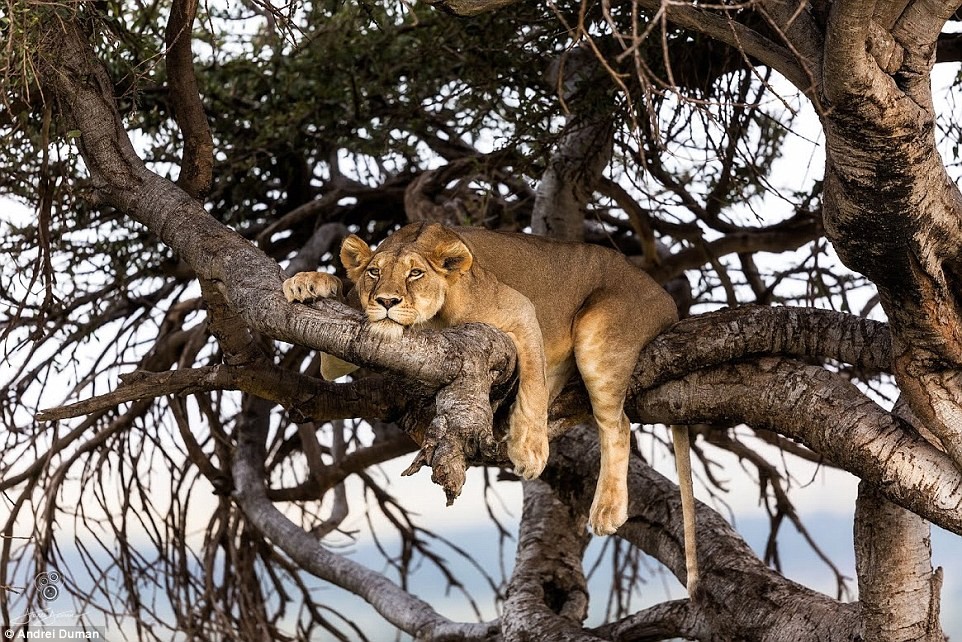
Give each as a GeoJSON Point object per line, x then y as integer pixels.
{"type": "Point", "coordinates": [566, 306]}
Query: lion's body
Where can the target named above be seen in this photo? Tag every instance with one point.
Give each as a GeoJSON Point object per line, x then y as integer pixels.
{"type": "Point", "coordinates": [576, 283]}
{"type": "Point", "coordinates": [566, 306]}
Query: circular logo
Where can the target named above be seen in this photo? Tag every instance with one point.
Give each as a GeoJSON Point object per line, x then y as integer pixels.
{"type": "Point", "coordinates": [48, 585]}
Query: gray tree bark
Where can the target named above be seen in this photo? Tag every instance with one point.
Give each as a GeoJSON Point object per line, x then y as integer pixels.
{"type": "Point", "coordinates": [547, 597]}
{"type": "Point", "coordinates": [581, 153]}
{"type": "Point", "coordinates": [893, 556]}
{"type": "Point", "coordinates": [890, 209]}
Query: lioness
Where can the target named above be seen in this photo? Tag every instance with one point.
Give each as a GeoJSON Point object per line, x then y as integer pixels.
{"type": "Point", "coordinates": [564, 305]}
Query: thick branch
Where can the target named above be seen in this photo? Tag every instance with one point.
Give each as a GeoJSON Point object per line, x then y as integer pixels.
{"type": "Point", "coordinates": [720, 27]}
{"type": "Point", "coordinates": [548, 595]}
{"type": "Point", "coordinates": [734, 334]}
{"type": "Point", "coordinates": [581, 153]}
{"type": "Point", "coordinates": [893, 558]}
{"type": "Point", "coordinates": [919, 25]}
{"type": "Point", "coordinates": [251, 281]}
{"type": "Point", "coordinates": [847, 70]}
{"type": "Point", "coordinates": [678, 618]}
{"type": "Point", "coordinates": [892, 211]}
{"type": "Point", "coordinates": [750, 331]}
{"type": "Point", "coordinates": [827, 414]}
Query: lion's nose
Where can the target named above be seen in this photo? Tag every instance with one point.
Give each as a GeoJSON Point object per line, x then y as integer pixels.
{"type": "Point", "coordinates": [387, 302]}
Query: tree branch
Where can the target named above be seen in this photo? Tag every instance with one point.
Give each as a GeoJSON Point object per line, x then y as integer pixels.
{"type": "Point", "coordinates": [827, 414]}
{"type": "Point", "coordinates": [304, 396]}
{"type": "Point", "coordinates": [548, 594]}
{"type": "Point", "coordinates": [582, 151]}
{"type": "Point", "coordinates": [892, 212]}
{"type": "Point", "coordinates": [678, 618]}
{"type": "Point", "coordinates": [719, 27]}
{"type": "Point", "coordinates": [396, 605]}
{"type": "Point", "coordinates": [197, 164]}
{"type": "Point", "coordinates": [846, 70]}
{"type": "Point", "coordinates": [750, 331]}
{"type": "Point", "coordinates": [788, 235]}
{"type": "Point", "coordinates": [893, 559]}
{"type": "Point", "coordinates": [920, 23]}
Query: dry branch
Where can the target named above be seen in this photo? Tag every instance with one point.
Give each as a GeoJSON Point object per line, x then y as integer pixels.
{"type": "Point", "coordinates": [396, 605]}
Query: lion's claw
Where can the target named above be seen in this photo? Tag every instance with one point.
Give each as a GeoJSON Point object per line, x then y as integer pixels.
{"type": "Point", "coordinates": [608, 511]}
{"type": "Point", "coordinates": [530, 456]}
{"type": "Point", "coordinates": [310, 286]}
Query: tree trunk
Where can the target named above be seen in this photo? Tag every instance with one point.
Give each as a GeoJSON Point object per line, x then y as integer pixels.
{"type": "Point", "coordinates": [898, 592]}
{"type": "Point", "coordinates": [891, 209]}
{"type": "Point", "coordinates": [580, 155]}
{"type": "Point", "coordinates": [548, 594]}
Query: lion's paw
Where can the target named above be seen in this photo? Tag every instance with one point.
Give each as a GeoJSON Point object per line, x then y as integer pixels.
{"type": "Point", "coordinates": [609, 510]}
{"type": "Point", "coordinates": [529, 454]}
{"type": "Point", "coordinates": [309, 286]}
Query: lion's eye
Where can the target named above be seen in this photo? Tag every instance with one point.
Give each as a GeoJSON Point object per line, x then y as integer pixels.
{"type": "Point", "coordinates": [416, 273]}
{"type": "Point", "coordinates": [373, 273]}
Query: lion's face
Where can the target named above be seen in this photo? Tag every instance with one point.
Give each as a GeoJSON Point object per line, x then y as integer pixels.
{"type": "Point", "coordinates": [405, 281]}
{"type": "Point", "coordinates": [399, 290]}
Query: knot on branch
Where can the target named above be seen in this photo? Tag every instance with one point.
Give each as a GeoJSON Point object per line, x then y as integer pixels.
{"type": "Point", "coordinates": [887, 52]}
{"type": "Point", "coordinates": [461, 432]}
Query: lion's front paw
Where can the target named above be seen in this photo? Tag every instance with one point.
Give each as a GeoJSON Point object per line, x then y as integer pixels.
{"type": "Point", "coordinates": [609, 510]}
{"type": "Point", "coordinates": [309, 286]}
{"type": "Point", "coordinates": [528, 450]}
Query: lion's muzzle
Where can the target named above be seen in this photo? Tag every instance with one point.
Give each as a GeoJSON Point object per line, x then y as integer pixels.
{"type": "Point", "coordinates": [387, 302]}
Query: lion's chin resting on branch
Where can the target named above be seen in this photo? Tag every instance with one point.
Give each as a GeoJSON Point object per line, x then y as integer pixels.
{"type": "Point", "coordinates": [565, 306]}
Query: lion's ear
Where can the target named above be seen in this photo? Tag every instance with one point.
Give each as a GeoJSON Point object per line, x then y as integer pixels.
{"type": "Point", "coordinates": [452, 256]}
{"type": "Point", "coordinates": [355, 255]}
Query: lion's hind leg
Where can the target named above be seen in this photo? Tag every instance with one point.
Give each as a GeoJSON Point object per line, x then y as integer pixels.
{"type": "Point", "coordinates": [606, 358]}
{"type": "Point", "coordinates": [606, 351]}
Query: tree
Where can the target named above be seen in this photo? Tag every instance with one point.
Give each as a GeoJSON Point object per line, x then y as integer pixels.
{"type": "Point", "coordinates": [655, 128]}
